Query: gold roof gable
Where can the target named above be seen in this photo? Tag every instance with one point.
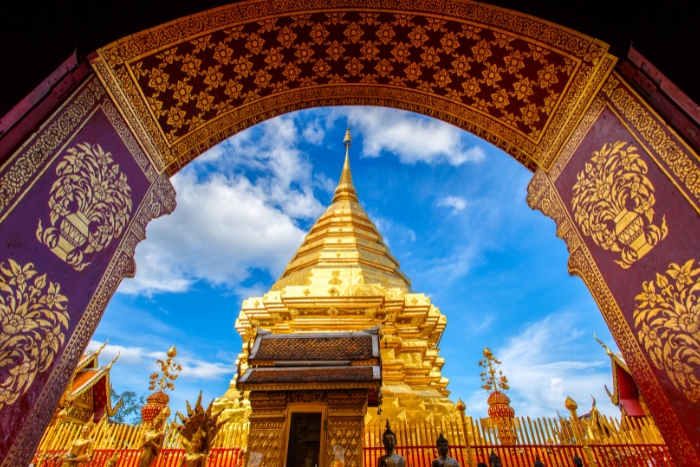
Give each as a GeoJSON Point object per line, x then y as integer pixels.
{"type": "Point", "coordinates": [345, 241]}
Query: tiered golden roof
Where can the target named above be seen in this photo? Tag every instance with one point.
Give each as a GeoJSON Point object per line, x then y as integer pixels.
{"type": "Point", "coordinates": [344, 240]}
{"type": "Point", "coordinates": [343, 278]}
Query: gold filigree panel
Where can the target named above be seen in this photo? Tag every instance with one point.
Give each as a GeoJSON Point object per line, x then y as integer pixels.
{"type": "Point", "coordinates": [33, 325]}
{"type": "Point", "coordinates": [90, 205]}
{"type": "Point", "coordinates": [519, 81]}
{"type": "Point", "coordinates": [613, 203]}
{"type": "Point", "coordinates": [543, 196]}
{"type": "Point", "coordinates": [667, 319]}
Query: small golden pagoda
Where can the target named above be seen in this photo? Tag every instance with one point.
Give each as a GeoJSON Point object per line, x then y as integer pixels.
{"type": "Point", "coordinates": [343, 278]}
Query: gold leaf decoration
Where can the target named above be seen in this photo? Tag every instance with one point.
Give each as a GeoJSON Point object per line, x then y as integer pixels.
{"type": "Point", "coordinates": [33, 321]}
{"type": "Point", "coordinates": [667, 318]}
{"type": "Point", "coordinates": [90, 205]}
{"type": "Point", "coordinates": [613, 203]}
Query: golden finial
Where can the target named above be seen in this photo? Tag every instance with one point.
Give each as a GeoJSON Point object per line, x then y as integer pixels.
{"type": "Point", "coordinates": [493, 378]}
{"type": "Point", "coordinates": [607, 349]}
{"type": "Point", "coordinates": [101, 348]}
{"type": "Point", "coordinates": [345, 191]}
{"type": "Point", "coordinates": [109, 367]}
{"type": "Point", "coordinates": [347, 141]}
{"type": "Point", "coordinates": [570, 404]}
{"type": "Point", "coordinates": [461, 406]}
{"type": "Point", "coordinates": [169, 371]}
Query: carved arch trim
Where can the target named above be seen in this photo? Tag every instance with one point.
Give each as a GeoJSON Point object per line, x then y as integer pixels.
{"type": "Point", "coordinates": [519, 82]}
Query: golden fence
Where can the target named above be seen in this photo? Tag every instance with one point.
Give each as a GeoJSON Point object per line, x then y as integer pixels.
{"type": "Point", "coordinates": [599, 441]}
{"type": "Point", "coordinates": [126, 440]}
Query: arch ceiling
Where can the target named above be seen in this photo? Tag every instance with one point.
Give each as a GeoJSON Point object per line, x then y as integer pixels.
{"type": "Point", "coordinates": [519, 82]}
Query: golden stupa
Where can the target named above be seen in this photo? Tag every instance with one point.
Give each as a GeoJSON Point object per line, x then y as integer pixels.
{"type": "Point", "coordinates": [344, 278]}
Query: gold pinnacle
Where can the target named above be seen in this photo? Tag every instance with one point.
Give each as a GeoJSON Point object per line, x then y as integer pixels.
{"type": "Point", "coordinates": [345, 191]}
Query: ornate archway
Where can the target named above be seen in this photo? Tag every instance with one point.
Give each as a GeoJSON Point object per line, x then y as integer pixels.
{"type": "Point", "coordinates": [610, 169]}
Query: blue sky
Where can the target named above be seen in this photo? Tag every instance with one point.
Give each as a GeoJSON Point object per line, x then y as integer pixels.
{"type": "Point", "coordinates": [450, 206]}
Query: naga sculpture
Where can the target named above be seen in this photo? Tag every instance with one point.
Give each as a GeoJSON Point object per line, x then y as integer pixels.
{"type": "Point", "coordinates": [198, 430]}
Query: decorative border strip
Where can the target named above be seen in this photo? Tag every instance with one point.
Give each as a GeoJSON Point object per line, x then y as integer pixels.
{"type": "Point", "coordinates": [134, 123]}
{"type": "Point", "coordinates": [547, 154]}
{"type": "Point", "coordinates": [661, 139]}
{"type": "Point", "coordinates": [21, 169]}
{"type": "Point", "coordinates": [129, 141]}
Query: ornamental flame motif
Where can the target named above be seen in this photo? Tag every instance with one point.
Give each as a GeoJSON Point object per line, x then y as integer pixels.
{"type": "Point", "coordinates": [613, 203]}
{"type": "Point", "coordinates": [667, 319]}
{"type": "Point", "coordinates": [33, 320]}
{"type": "Point", "coordinates": [90, 205]}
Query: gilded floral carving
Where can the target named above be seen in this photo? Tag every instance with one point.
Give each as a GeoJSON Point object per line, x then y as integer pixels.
{"type": "Point", "coordinates": [90, 205]}
{"type": "Point", "coordinates": [613, 203]}
{"type": "Point", "coordinates": [33, 322]}
{"type": "Point", "coordinates": [667, 318]}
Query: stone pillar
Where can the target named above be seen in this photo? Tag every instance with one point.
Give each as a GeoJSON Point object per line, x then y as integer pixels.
{"type": "Point", "coordinates": [625, 195]}
{"type": "Point", "coordinates": [267, 427]}
{"type": "Point", "coordinates": [346, 421]}
{"type": "Point", "coordinates": [75, 199]}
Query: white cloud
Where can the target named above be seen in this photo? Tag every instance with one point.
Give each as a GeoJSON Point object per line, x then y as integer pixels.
{"type": "Point", "coordinates": [412, 137]}
{"type": "Point", "coordinates": [313, 132]}
{"type": "Point", "coordinates": [144, 360]}
{"type": "Point", "coordinates": [221, 228]}
{"type": "Point", "coordinates": [226, 224]}
{"type": "Point", "coordinates": [544, 367]}
{"type": "Point", "coordinates": [455, 202]}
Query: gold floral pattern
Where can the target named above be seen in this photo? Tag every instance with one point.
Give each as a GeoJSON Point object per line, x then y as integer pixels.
{"type": "Point", "coordinates": [667, 318]}
{"type": "Point", "coordinates": [90, 205]}
{"type": "Point", "coordinates": [613, 203]}
{"type": "Point", "coordinates": [33, 322]}
{"type": "Point", "coordinates": [321, 49]}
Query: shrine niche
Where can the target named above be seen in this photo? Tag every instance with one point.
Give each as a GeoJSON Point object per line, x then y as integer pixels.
{"type": "Point", "coordinates": [311, 401]}
{"type": "Point", "coordinates": [554, 99]}
{"type": "Point", "coordinates": [88, 395]}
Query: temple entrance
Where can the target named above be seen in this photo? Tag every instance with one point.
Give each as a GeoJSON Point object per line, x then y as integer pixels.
{"type": "Point", "coordinates": [556, 100]}
{"type": "Point", "coordinates": [304, 439]}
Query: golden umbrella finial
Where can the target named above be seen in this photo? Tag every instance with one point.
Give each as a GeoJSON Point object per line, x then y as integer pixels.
{"type": "Point", "coordinates": [345, 191]}
{"type": "Point", "coordinates": [347, 141]}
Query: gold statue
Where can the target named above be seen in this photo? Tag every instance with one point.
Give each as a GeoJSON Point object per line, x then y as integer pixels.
{"type": "Point", "coordinates": [198, 431]}
{"type": "Point", "coordinates": [443, 449]}
{"type": "Point", "coordinates": [154, 438]}
{"type": "Point", "coordinates": [80, 451]}
{"type": "Point", "coordinates": [390, 459]}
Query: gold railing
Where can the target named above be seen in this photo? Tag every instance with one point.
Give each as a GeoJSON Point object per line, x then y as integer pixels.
{"type": "Point", "coordinates": [599, 441]}
{"type": "Point", "coordinates": [126, 440]}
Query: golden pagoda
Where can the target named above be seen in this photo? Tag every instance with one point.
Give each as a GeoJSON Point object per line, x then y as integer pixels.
{"type": "Point", "coordinates": [343, 278]}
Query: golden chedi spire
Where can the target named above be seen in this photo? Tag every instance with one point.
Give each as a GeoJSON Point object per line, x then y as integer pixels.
{"type": "Point", "coordinates": [346, 241]}
{"type": "Point", "coordinates": [344, 278]}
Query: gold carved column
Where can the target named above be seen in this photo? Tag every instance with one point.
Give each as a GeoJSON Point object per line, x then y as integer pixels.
{"type": "Point", "coordinates": [625, 195]}
{"type": "Point", "coordinates": [346, 415]}
{"type": "Point", "coordinates": [267, 424]}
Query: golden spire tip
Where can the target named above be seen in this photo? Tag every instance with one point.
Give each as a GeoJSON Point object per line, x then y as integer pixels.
{"type": "Point", "coordinates": [345, 191]}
